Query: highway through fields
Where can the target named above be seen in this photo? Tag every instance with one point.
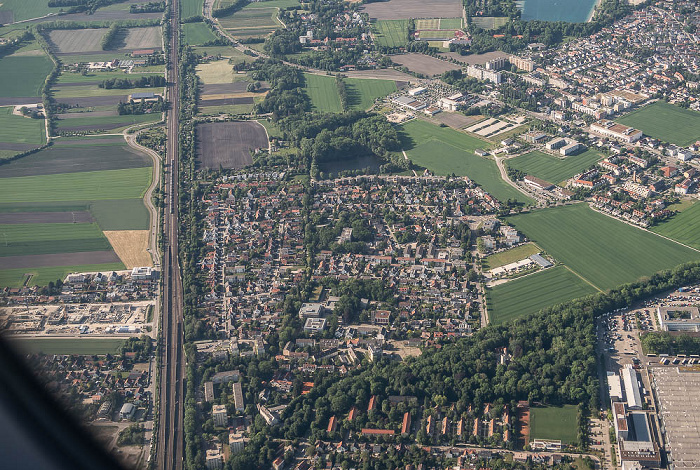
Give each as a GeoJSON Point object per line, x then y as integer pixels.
{"type": "Point", "coordinates": [170, 453]}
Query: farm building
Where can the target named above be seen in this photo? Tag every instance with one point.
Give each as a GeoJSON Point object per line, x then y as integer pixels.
{"type": "Point", "coordinates": [410, 103]}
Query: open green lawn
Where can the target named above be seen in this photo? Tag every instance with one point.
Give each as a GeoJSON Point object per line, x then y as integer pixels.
{"type": "Point", "coordinates": [530, 294]}
{"type": "Point", "coordinates": [197, 33]}
{"type": "Point", "coordinates": [323, 93]}
{"type": "Point", "coordinates": [553, 422]}
{"type": "Point", "coordinates": [391, 33]}
{"type": "Point", "coordinates": [362, 93]}
{"type": "Point", "coordinates": [24, 75]}
{"type": "Point", "coordinates": [445, 151]}
{"type": "Point", "coordinates": [88, 185]}
{"type": "Point", "coordinates": [108, 121]}
{"type": "Point", "coordinates": [39, 239]}
{"type": "Point", "coordinates": [94, 90]}
{"type": "Point", "coordinates": [450, 23]}
{"type": "Point", "coordinates": [20, 129]}
{"type": "Point", "coordinates": [553, 169]}
{"type": "Point", "coordinates": [272, 3]}
{"type": "Point", "coordinates": [70, 77]}
{"type": "Point", "coordinates": [24, 9]}
{"type": "Point", "coordinates": [512, 255]}
{"type": "Point", "coordinates": [665, 122]}
{"type": "Point", "coordinates": [81, 345]}
{"type": "Point", "coordinates": [249, 22]}
{"type": "Point", "coordinates": [120, 214]}
{"type": "Point", "coordinates": [190, 8]}
{"type": "Point", "coordinates": [42, 276]}
{"type": "Point", "coordinates": [683, 227]}
{"type": "Point", "coordinates": [603, 250]}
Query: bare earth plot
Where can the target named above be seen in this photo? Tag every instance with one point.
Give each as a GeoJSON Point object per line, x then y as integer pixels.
{"type": "Point", "coordinates": [405, 9]}
{"type": "Point", "coordinates": [423, 64]}
{"type": "Point", "coordinates": [456, 120]}
{"type": "Point", "coordinates": [58, 259]}
{"type": "Point", "coordinates": [77, 40]}
{"type": "Point", "coordinates": [228, 144]}
{"type": "Point", "coordinates": [87, 101]}
{"type": "Point", "coordinates": [143, 38]}
{"type": "Point", "coordinates": [475, 59]}
{"type": "Point", "coordinates": [130, 246]}
{"type": "Point", "coordinates": [227, 101]}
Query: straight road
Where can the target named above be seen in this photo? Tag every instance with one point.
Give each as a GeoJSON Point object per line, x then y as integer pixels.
{"type": "Point", "coordinates": [170, 452]}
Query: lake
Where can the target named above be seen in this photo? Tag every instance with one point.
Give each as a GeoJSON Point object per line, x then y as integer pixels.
{"type": "Point", "coordinates": [571, 11]}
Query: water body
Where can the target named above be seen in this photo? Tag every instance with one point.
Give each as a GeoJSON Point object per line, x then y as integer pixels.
{"type": "Point", "coordinates": [571, 11]}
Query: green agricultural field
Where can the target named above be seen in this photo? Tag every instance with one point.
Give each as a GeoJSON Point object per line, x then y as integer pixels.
{"type": "Point", "coordinates": [249, 22]}
{"type": "Point", "coordinates": [603, 250]}
{"type": "Point", "coordinates": [197, 33]}
{"type": "Point", "coordinates": [530, 294]}
{"type": "Point", "coordinates": [109, 122]}
{"type": "Point", "coordinates": [445, 151]}
{"type": "Point", "coordinates": [189, 8]}
{"type": "Point", "coordinates": [553, 169]}
{"type": "Point", "coordinates": [553, 422]}
{"type": "Point", "coordinates": [323, 93]}
{"type": "Point", "coordinates": [665, 122]}
{"type": "Point", "coordinates": [84, 186]}
{"type": "Point", "coordinates": [362, 93]}
{"type": "Point", "coordinates": [683, 227]}
{"type": "Point", "coordinates": [23, 76]}
{"type": "Point", "coordinates": [271, 4]}
{"type": "Point", "coordinates": [40, 239]}
{"type": "Point", "coordinates": [42, 276]}
{"type": "Point", "coordinates": [80, 346]}
{"type": "Point", "coordinates": [20, 129]}
{"type": "Point", "coordinates": [512, 255]}
{"type": "Point", "coordinates": [391, 33]}
{"type": "Point", "coordinates": [94, 90]}
{"type": "Point", "coordinates": [25, 10]}
{"type": "Point", "coordinates": [70, 77]}
{"type": "Point", "coordinates": [120, 214]}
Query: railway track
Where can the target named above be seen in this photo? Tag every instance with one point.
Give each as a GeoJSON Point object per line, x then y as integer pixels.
{"type": "Point", "coordinates": [170, 451]}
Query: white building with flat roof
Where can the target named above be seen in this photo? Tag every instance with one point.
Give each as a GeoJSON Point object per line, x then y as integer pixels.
{"type": "Point", "coordinates": [678, 318]}
{"type": "Point", "coordinates": [632, 392]}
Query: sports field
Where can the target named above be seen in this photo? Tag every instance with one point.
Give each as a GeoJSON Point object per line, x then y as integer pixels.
{"type": "Point", "coordinates": [532, 293]}
{"type": "Point", "coordinates": [39, 239]}
{"type": "Point", "coordinates": [20, 129]}
{"type": "Point", "coordinates": [553, 169]}
{"type": "Point", "coordinates": [81, 346]}
{"type": "Point", "coordinates": [553, 422]}
{"type": "Point", "coordinates": [512, 255]}
{"type": "Point", "coordinates": [445, 151]}
{"type": "Point", "coordinates": [23, 76]}
{"type": "Point", "coordinates": [84, 186]}
{"type": "Point", "coordinates": [391, 33]}
{"type": "Point", "coordinates": [603, 250]}
{"type": "Point", "coordinates": [683, 227]}
{"type": "Point", "coordinates": [665, 122]}
{"type": "Point", "coordinates": [197, 33]}
{"type": "Point", "coordinates": [323, 93]}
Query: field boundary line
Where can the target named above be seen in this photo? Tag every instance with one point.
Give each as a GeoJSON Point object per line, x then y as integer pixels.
{"type": "Point", "coordinates": [644, 229]}
{"type": "Point", "coordinates": [582, 278]}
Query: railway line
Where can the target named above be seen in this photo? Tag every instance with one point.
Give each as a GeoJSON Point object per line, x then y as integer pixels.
{"type": "Point", "coordinates": [170, 446]}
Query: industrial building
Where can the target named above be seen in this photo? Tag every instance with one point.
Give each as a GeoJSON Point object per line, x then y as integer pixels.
{"type": "Point", "coordinates": [679, 318]}
{"type": "Point", "coordinates": [616, 131]}
{"type": "Point", "coordinates": [631, 383]}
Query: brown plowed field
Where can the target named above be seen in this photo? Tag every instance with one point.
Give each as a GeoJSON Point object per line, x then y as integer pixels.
{"type": "Point", "coordinates": [58, 259]}
{"type": "Point", "coordinates": [405, 9]}
{"type": "Point", "coordinates": [81, 217]}
{"type": "Point", "coordinates": [218, 88]}
{"type": "Point", "coordinates": [77, 40]}
{"type": "Point", "coordinates": [130, 246]}
{"type": "Point", "coordinates": [228, 144]}
{"type": "Point", "coordinates": [227, 101]}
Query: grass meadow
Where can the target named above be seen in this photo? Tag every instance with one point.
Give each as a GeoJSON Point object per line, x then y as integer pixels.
{"type": "Point", "coordinates": [44, 275]}
{"type": "Point", "coordinates": [20, 129]}
{"type": "Point", "coordinates": [23, 76]}
{"type": "Point", "coordinates": [81, 346]}
{"type": "Point", "coordinates": [445, 151]}
{"type": "Point", "coordinates": [665, 122]}
{"type": "Point", "coordinates": [553, 169]}
{"type": "Point", "coordinates": [603, 250]}
{"type": "Point", "coordinates": [683, 227]}
{"type": "Point", "coordinates": [323, 93]}
{"type": "Point", "coordinates": [531, 293]}
{"type": "Point", "coordinates": [197, 33]}
{"type": "Point", "coordinates": [391, 33]}
{"type": "Point", "coordinates": [39, 239]}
